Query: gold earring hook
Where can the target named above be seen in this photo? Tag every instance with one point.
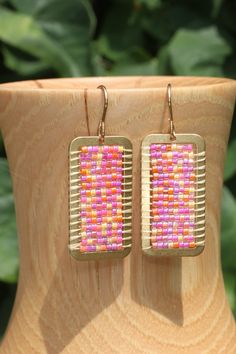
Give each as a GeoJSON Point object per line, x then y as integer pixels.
{"type": "Point", "coordinates": [101, 126]}
{"type": "Point", "coordinates": [171, 120]}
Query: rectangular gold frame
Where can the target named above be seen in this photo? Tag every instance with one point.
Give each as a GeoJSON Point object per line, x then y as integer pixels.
{"type": "Point", "coordinates": [73, 196]}
{"type": "Point", "coordinates": [199, 144]}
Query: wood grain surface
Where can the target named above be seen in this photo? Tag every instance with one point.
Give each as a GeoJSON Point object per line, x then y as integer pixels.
{"type": "Point", "coordinates": [133, 305]}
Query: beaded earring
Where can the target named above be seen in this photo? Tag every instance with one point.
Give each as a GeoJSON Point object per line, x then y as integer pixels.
{"type": "Point", "coordinates": [100, 194]}
{"type": "Point", "coordinates": [173, 192]}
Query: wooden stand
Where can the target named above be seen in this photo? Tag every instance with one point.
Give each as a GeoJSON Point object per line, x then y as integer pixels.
{"type": "Point", "coordinates": [136, 304]}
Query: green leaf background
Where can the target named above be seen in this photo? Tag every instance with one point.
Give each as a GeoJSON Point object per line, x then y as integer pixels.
{"type": "Point", "coordinates": [58, 38]}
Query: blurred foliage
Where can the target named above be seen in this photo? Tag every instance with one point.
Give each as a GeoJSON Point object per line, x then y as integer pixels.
{"type": "Point", "coordinates": [51, 38]}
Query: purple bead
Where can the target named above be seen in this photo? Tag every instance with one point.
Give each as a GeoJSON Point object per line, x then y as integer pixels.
{"type": "Point", "coordinates": [160, 244]}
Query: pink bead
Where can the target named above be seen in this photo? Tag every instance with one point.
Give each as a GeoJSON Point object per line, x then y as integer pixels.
{"type": "Point", "coordinates": [190, 238]}
{"type": "Point", "coordinates": [160, 244]}
{"type": "Point", "coordinates": [105, 148]}
{"type": "Point", "coordinates": [189, 147]}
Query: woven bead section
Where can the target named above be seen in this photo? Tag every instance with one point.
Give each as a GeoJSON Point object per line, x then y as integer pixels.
{"type": "Point", "coordinates": [101, 178]}
{"type": "Point", "coordinates": [172, 196]}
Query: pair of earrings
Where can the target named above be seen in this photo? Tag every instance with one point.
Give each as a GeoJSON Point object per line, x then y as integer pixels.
{"type": "Point", "coordinates": [100, 193]}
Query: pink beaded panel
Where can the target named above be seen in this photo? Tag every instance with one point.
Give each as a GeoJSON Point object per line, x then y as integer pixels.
{"type": "Point", "coordinates": [101, 178]}
{"type": "Point", "coordinates": [172, 216]}
{"type": "Point", "coordinates": [100, 197]}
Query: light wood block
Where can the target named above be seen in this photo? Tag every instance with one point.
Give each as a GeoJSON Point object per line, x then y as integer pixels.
{"type": "Point", "coordinates": [132, 305]}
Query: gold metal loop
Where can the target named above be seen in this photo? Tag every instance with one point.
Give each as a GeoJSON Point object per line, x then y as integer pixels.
{"type": "Point", "coordinates": [101, 126]}
{"type": "Point", "coordinates": [171, 120]}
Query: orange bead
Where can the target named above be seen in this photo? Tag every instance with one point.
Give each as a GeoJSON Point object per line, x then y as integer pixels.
{"type": "Point", "coordinates": [103, 247]}
{"type": "Point", "coordinates": [82, 248]}
{"type": "Point", "coordinates": [89, 178]}
{"type": "Point", "coordinates": [154, 169]}
{"type": "Point", "coordinates": [192, 244]}
{"type": "Point", "coordinates": [113, 190]}
{"type": "Point", "coordinates": [165, 169]}
{"type": "Point", "coordinates": [175, 244]}
{"type": "Point", "coordinates": [84, 149]}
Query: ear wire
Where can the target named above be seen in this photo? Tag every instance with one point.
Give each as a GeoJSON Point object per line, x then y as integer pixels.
{"type": "Point", "coordinates": [171, 119]}
{"type": "Point", "coordinates": [101, 126]}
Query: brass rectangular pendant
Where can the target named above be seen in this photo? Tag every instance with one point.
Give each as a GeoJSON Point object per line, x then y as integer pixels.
{"type": "Point", "coordinates": [173, 195]}
{"type": "Point", "coordinates": [100, 197]}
